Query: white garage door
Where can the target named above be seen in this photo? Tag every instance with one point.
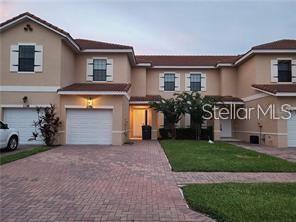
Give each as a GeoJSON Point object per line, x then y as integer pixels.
{"type": "Point", "coordinates": [22, 120]}
{"type": "Point", "coordinates": [292, 131]}
{"type": "Point", "coordinates": [89, 126]}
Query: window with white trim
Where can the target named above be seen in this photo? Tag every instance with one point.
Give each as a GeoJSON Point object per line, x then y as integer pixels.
{"type": "Point", "coordinates": [26, 61]}
{"type": "Point", "coordinates": [99, 69]}
{"type": "Point", "coordinates": [284, 71]}
{"type": "Point", "coordinates": [195, 82]}
{"type": "Point", "coordinates": [169, 82]}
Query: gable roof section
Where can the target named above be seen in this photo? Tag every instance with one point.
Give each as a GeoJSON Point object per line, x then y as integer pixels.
{"type": "Point", "coordinates": [168, 60]}
{"type": "Point", "coordinates": [80, 44]}
{"type": "Point", "coordinates": [277, 89]}
{"type": "Point", "coordinates": [90, 44]}
{"type": "Point", "coordinates": [280, 44]}
{"type": "Point", "coordinates": [40, 21]}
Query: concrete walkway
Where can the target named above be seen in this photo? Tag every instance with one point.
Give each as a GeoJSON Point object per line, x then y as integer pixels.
{"type": "Point", "coordinates": [283, 153]}
{"type": "Point", "coordinates": [93, 183]}
{"type": "Point", "coordinates": [183, 178]}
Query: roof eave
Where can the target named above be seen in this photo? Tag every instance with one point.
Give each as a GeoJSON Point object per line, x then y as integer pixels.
{"type": "Point", "coordinates": [68, 37]}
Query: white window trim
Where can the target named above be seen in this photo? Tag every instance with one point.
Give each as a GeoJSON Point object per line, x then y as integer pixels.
{"type": "Point", "coordinates": [199, 73]}
{"type": "Point", "coordinates": [102, 58]}
{"type": "Point", "coordinates": [26, 44]}
{"type": "Point", "coordinates": [168, 72]}
{"type": "Point", "coordinates": [290, 59]}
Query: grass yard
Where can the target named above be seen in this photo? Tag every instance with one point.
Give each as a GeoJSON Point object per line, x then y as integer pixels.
{"type": "Point", "coordinates": [234, 202]}
{"type": "Point", "coordinates": [22, 154]}
{"type": "Point", "coordinates": [189, 155]}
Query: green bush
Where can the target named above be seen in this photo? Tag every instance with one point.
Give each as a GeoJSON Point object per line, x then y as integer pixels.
{"type": "Point", "coordinates": [187, 133]}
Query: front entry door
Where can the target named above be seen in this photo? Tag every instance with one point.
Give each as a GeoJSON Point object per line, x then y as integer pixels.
{"type": "Point", "coordinates": [139, 121]}
{"type": "Point", "coordinates": [226, 129]}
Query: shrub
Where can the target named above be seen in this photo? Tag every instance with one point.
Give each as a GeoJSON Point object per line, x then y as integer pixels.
{"type": "Point", "coordinates": [187, 133]}
{"type": "Point", "coordinates": [47, 125]}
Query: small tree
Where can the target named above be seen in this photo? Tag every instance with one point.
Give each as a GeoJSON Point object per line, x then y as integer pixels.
{"type": "Point", "coordinates": [172, 110]}
{"type": "Point", "coordinates": [47, 125]}
{"type": "Point", "coordinates": [197, 107]}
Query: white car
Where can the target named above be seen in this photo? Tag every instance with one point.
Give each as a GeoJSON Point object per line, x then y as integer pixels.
{"type": "Point", "coordinates": [8, 137]}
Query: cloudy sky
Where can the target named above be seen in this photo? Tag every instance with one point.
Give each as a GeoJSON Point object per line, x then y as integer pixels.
{"type": "Point", "coordinates": [167, 27]}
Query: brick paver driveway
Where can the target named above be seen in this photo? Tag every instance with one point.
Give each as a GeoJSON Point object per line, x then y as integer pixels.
{"type": "Point", "coordinates": [93, 183]}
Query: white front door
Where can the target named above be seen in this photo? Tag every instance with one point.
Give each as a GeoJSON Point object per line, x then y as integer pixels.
{"type": "Point", "coordinates": [138, 122]}
{"type": "Point", "coordinates": [22, 119]}
{"type": "Point", "coordinates": [226, 128]}
{"type": "Point", "coordinates": [292, 130]}
{"type": "Point", "coordinates": [89, 126]}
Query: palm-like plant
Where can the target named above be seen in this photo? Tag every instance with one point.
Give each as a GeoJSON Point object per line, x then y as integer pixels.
{"type": "Point", "coordinates": [197, 107]}
{"type": "Point", "coordinates": [172, 110]}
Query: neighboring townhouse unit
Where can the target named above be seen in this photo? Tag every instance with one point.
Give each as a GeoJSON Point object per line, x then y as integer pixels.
{"type": "Point", "coordinates": [101, 90]}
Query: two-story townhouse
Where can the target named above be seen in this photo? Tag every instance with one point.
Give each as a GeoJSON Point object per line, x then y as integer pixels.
{"type": "Point", "coordinates": [101, 90]}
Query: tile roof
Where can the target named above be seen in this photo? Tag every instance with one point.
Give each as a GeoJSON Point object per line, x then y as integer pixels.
{"type": "Point", "coordinates": [276, 88]}
{"type": "Point", "coordinates": [115, 87]}
{"type": "Point", "coordinates": [147, 98]}
{"type": "Point", "coordinates": [90, 44]}
{"type": "Point", "coordinates": [226, 98]}
{"type": "Point", "coordinates": [169, 60]}
{"type": "Point", "coordinates": [37, 19]}
{"type": "Point", "coordinates": [280, 44]}
{"type": "Point", "coordinates": [160, 60]}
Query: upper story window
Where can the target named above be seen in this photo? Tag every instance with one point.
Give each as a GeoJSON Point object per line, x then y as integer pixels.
{"type": "Point", "coordinates": [195, 82]}
{"type": "Point", "coordinates": [26, 58]}
{"type": "Point", "coordinates": [100, 70]}
{"type": "Point", "coordinates": [169, 82]}
{"type": "Point", "coordinates": [284, 71]}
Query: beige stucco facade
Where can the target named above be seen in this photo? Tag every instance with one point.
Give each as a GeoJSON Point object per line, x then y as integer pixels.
{"type": "Point", "coordinates": [64, 65]}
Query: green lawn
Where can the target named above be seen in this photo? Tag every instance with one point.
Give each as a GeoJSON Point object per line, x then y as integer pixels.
{"type": "Point", "coordinates": [270, 202]}
{"type": "Point", "coordinates": [189, 155]}
{"type": "Point", "coordinates": [21, 154]}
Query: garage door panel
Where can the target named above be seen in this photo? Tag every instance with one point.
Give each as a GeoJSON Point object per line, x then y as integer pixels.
{"type": "Point", "coordinates": [292, 130]}
{"type": "Point", "coordinates": [22, 120]}
{"type": "Point", "coordinates": [89, 126]}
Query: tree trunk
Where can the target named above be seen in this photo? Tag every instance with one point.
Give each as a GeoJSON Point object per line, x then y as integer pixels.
{"type": "Point", "coordinates": [196, 131]}
{"type": "Point", "coordinates": [173, 130]}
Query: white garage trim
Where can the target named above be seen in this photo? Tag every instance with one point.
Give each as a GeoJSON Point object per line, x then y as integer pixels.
{"type": "Point", "coordinates": [84, 107]}
{"type": "Point", "coordinates": [291, 127]}
{"type": "Point", "coordinates": [29, 88]}
{"type": "Point", "coordinates": [119, 131]}
{"type": "Point", "coordinates": [22, 119]}
{"type": "Point", "coordinates": [25, 107]}
{"type": "Point", "coordinates": [89, 126]}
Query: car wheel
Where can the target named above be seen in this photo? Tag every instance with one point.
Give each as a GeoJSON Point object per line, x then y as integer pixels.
{"type": "Point", "coordinates": [12, 143]}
